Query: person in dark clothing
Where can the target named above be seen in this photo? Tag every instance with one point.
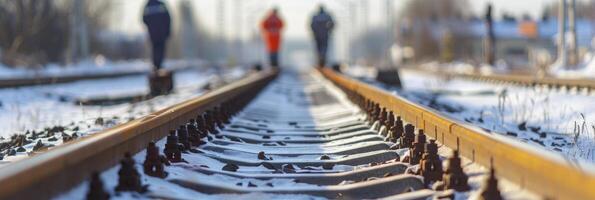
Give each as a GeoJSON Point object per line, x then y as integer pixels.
{"type": "Point", "coordinates": [157, 19]}
{"type": "Point", "coordinates": [322, 25]}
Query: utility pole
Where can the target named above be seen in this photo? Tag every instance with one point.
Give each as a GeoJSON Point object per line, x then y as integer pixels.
{"type": "Point", "coordinates": [561, 34]}
{"type": "Point", "coordinates": [352, 32]}
{"type": "Point", "coordinates": [221, 21]}
{"type": "Point", "coordinates": [387, 73]}
{"type": "Point", "coordinates": [572, 47]}
{"type": "Point", "coordinates": [239, 32]}
{"type": "Point", "coordinates": [79, 41]}
{"type": "Point", "coordinates": [490, 46]}
{"type": "Point", "coordinates": [389, 33]}
{"type": "Point", "coordinates": [364, 34]}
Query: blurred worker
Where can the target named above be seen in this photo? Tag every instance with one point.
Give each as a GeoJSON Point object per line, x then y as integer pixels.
{"type": "Point", "coordinates": [322, 25]}
{"type": "Point", "coordinates": [272, 26]}
{"type": "Point", "coordinates": [157, 19]}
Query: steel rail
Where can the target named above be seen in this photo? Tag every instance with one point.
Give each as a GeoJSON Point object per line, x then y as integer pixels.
{"type": "Point", "coordinates": [60, 168]}
{"type": "Point", "coordinates": [523, 80]}
{"type": "Point", "coordinates": [21, 82]}
{"type": "Point", "coordinates": [544, 173]}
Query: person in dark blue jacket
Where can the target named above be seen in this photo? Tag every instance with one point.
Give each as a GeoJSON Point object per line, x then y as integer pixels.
{"type": "Point", "coordinates": [157, 19]}
{"type": "Point", "coordinates": [322, 25]}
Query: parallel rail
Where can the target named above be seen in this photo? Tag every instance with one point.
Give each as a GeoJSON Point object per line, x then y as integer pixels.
{"type": "Point", "coordinates": [523, 80]}
{"type": "Point", "coordinates": [59, 169]}
{"type": "Point", "coordinates": [21, 82]}
{"type": "Point", "coordinates": [546, 175]}
{"type": "Point", "coordinates": [62, 167]}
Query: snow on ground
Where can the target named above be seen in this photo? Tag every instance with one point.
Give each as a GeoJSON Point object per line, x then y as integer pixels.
{"type": "Point", "coordinates": [560, 121]}
{"type": "Point", "coordinates": [585, 69]}
{"type": "Point", "coordinates": [43, 108]}
{"type": "Point", "coordinates": [96, 66]}
{"type": "Point", "coordinates": [164, 188]}
{"type": "Point", "coordinates": [466, 68]}
{"type": "Point", "coordinates": [157, 186]}
{"type": "Point", "coordinates": [477, 178]}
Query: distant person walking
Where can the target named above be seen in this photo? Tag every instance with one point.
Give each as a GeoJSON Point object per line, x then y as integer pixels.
{"type": "Point", "coordinates": [157, 19]}
{"type": "Point", "coordinates": [322, 25]}
{"type": "Point", "coordinates": [272, 26]}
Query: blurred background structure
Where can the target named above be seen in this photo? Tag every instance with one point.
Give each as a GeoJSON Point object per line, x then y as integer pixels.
{"type": "Point", "coordinates": [225, 32]}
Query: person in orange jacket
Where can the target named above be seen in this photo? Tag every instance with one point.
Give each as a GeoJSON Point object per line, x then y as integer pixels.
{"type": "Point", "coordinates": [271, 31]}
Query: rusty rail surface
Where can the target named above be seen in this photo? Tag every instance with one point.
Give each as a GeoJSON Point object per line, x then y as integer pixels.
{"type": "Point", "coordinates": [523, 80]}
{"type": "Point", "coordinates": [541, 173]}
{"type": "Point", "coordinates": [62, 167]}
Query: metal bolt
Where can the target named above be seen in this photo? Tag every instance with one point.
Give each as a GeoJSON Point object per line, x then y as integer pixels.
{"type": "Point", "coordinates": [407, 138]}
{"type": "Point", "coordinates": [430, 165]}
{"type": "Point", "coordinates": [153, 165]}
{"type": "Point", "coordinates": [96, 190]}
{"type": "Point", "coordinates": [129, 178]}
{"type": "Point", "coordinates": [490, 189]}
{"type": "Point", "coordinates": [183, 138]}
{"type": "Point", "coordinates": [416, 151]}
{"type": "Point", "coordinates": [454, 177]}
{"type": "Point", "coordinates": [173, 149]}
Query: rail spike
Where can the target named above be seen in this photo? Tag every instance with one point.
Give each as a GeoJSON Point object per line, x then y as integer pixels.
{"type": "Point", "coordinates": [407, 138]}
{"type": "Point", "coordinates": [96, 190]}
{"type": "Point", "coordinates": [173, 149]}
{"type": "Point", "coordinates": [128, 177]}
{"type": "Point", "coordinates": [154, 163]}
{"type": "Point", "coordinates": [490, 189]}
{"type": "Point", "coordinates": [416, 151]}
{"type": "Point", "coordinates": [454, 177]}
{"type": "Point", "coordinates": [431, 166]}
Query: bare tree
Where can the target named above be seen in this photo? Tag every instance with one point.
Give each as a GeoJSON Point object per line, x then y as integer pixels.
{"type": "Point", "coordinates": [32, 32]}
{"type": "Point", "coordinates": [35, 32]}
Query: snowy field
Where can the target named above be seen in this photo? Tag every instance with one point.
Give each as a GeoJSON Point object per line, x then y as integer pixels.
{"type": "Point", "coordinates": [49, 114]}
{"type": "Point", "coordinates": [95, 66]}
{"type": "Point", "coordinates": [585, 69]}
{"type": "Point", "coordinates": [560, 121]}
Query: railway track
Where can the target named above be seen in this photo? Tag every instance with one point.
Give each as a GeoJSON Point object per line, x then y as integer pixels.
{"type": "Point", "coordinates": [587, 85]}
{"type": "Point", "coordinates": [21, 82]}
{"type": "Point", "coordinates": [68, 78]}
{"type": "Point", "coordinates": [292, 136]}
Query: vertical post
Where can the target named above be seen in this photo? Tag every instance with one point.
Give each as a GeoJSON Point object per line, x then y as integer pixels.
{"type": "Point", "coordinates": [365, 32]}
{"type": "Point", "coordinates": [490, 48]}
{"type": "Point", "coordinates": [79, 43]}
{"type": "Point", "coordinates": [84, 37]}
{"type": "Point", "coordinates": [572, 47]}
{"type": "Point", "coordinates": [352, 32]}
{"type": "Point", "coordinates": [221, 20]}
{"type": "Point", "coordinates": [389, 32]}
{"type": "Point", "coordinates": [388, 74]}
{"type": "Point", "coordinates": [239, 31]}
{"type": "Point", "coordinates": [561, 34]}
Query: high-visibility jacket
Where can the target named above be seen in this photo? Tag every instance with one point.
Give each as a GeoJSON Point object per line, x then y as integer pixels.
{"type": "Point", "coordinates": [272, 27]}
